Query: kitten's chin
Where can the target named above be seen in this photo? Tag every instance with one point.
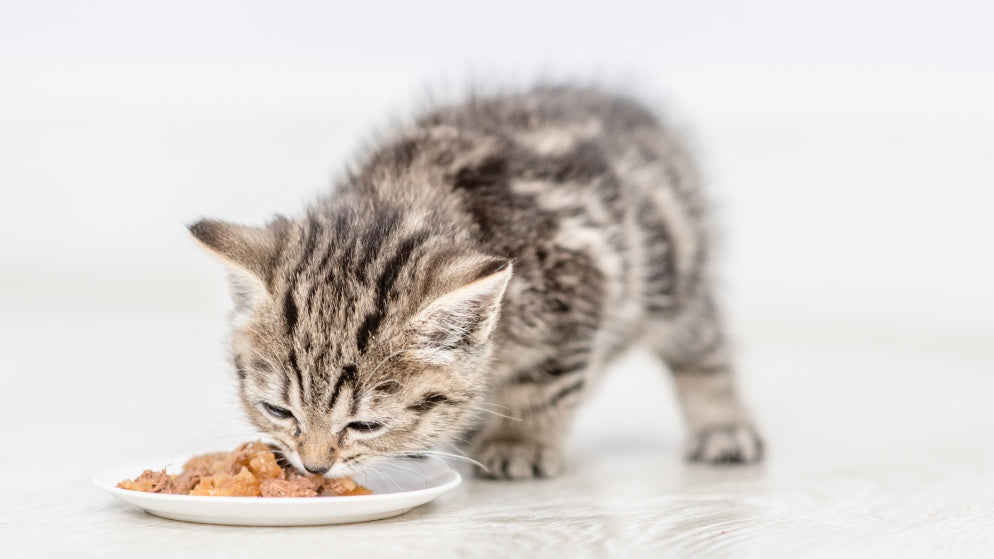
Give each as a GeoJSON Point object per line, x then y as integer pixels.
{"type": "Point", "coordinates": [355, 467]}
{"type": "Point", "coordinates": [337, 469]}
{"type": "Point", "coordinates": [341, 470]}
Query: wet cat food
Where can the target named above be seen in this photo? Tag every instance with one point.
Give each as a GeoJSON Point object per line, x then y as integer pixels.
{"type": "Point", "coordinates": [251, 470]}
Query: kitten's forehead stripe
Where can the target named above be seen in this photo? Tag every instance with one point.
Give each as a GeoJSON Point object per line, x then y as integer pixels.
{"type": "Point", "coordinates": [321, 359]}
{"type": "Point", "coordinates": [388, 277]}
{"type": "Point", "coordinates": [295, 368]}
{"type": "Point", "coordinates": [307, 251]}
{"type": "Point", "coordinates": [290, 314]}
{"type": "Point", "coordinates": [347, 376]}
{"type": "Point", "coordinates": [385, 227]}
{"type": "Point", "coordinates": [356, 397]}
{"type": "Point", "coordinates": [285, 389]}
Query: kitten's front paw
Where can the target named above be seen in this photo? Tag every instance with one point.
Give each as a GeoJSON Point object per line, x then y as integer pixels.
{"type": "Point", "coordinates": [725, 444]}
{"type": "Point", "coordinates": [518, 459]}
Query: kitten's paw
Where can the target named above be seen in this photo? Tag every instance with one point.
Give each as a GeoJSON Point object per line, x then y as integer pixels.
{"type": "Point", "coordinates": [518, 459]}
{"type": "Point", "coordinates": [725, 444]}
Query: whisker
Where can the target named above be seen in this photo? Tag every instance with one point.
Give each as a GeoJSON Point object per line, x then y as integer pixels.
{"type": "Point", "coordinates": [372, 469]}
{"type": "Point", "coordinates": [439, 453]}
{"type": "Point", "coordinates": [495, 404]}
{"type": "Point", "coordinates": [412, 468]}
{"type": "Point", "coordinates": [498, 414]}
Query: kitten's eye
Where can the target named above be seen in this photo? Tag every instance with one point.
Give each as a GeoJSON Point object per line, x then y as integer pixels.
{"type": "Point", "coordinates": [276, 411]}
{"type": "Point", "coordinates": [365, 426]}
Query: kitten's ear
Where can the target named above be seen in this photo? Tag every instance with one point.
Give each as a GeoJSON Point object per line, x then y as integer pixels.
{"type": "Point", "coordinates": [464, 316]}
{"type": "Point", "coordinates": [250, 252]}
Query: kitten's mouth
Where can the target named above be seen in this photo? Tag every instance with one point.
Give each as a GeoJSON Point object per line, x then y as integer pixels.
{"type": "Point", "coordinates": [283, 458]}
{"type": "Point", "coordinates": [289, 459]}
{"type": "Point", "coordinates": [348, 467]}
{"type": "Point", "coordinates": [337, 469]}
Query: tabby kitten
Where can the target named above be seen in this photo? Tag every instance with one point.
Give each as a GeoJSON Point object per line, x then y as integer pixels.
{"type": "Point", "coordinates": [494, 255]}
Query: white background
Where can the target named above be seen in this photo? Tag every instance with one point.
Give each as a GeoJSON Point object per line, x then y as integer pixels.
{"type": "Point", "coordinates": [847, 146]}
{"type": "Point", "coordinates": [846, 142]}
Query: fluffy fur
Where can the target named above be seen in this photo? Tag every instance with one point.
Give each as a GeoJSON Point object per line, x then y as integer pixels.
{"type": "Point", "coordinates": [491, 255]}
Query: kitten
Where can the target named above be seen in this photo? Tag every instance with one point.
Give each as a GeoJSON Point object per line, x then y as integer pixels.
{"type": "Point", "coordinates": [494, 255]}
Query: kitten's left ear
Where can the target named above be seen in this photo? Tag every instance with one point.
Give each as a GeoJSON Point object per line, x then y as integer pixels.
{"type": "Point", "coordinates": [464, 316]}
{"type": "Point", "coordinates": [250, 252]}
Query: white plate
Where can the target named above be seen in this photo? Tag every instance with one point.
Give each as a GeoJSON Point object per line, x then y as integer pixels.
{"type": "Point", "coordinates": [403, 485]}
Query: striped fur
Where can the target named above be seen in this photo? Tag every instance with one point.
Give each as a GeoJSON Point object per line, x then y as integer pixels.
{"type": "Point", "coordinates": [494, 255]}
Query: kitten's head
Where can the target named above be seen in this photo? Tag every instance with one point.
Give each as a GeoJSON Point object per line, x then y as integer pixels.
{"type": "Point", "coordinates": [354, 340]}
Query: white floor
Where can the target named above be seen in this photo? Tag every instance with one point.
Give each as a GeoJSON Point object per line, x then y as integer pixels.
{"type": "Point", "coordinates": [879, 446]}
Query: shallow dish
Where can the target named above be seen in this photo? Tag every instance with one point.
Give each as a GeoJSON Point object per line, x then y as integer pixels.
{"type": "Point", "coordinates": [400, 485]}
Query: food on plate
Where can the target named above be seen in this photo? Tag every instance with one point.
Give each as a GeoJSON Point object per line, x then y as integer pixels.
{"type": "Point", "coordinates": [251, 470]}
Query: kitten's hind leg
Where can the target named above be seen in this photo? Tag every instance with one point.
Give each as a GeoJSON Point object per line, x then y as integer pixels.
{"type": "Point", "coordinates": [719, 428]}
{"type": "Point", "coordinates": [526, 439]}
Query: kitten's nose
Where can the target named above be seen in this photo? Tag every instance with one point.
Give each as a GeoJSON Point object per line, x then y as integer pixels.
{"type": "Point", "coordinates": [317, 471]}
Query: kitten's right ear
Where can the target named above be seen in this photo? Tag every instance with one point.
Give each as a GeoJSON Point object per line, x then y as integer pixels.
{"type": "Point", "coordinates": [250, 252]}
{"type": "Point", "coordinates": [465, 316]}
